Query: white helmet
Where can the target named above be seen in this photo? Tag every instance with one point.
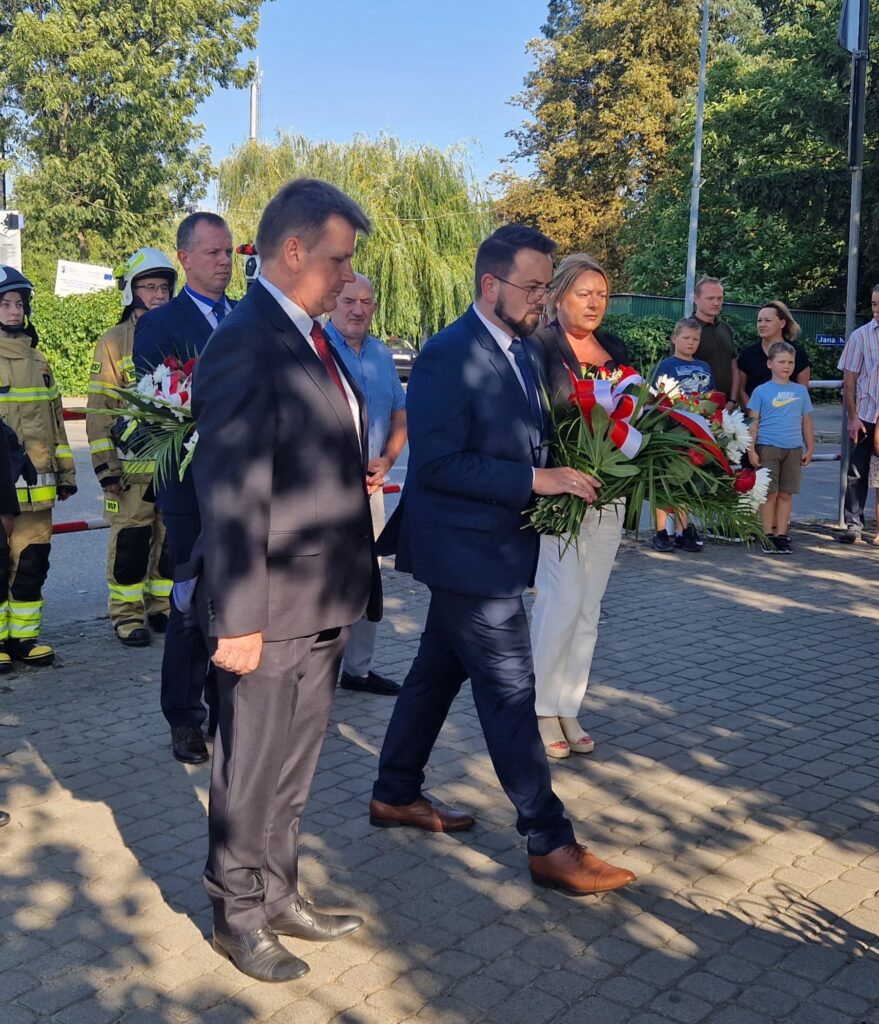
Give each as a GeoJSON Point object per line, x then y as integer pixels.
{"type": "Point", "coordinates": [145, 262]}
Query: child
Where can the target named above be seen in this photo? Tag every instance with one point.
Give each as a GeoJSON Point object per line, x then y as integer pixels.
{"type": "Point", "coordinates": [782, 440]}
{"type": "Point", "coordinates": [693, 377]}
{"type": "Point", "coordinates": [31, 407]}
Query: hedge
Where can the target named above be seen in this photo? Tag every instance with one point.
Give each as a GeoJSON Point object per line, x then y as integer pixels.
{"type": "Point", "coordinates": [648, 340]}
{"type": "Point", "coordinates": [69, 328]}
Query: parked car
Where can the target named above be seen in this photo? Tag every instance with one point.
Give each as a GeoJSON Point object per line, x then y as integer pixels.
{"type": "Point", "coordinates": [404, 357]}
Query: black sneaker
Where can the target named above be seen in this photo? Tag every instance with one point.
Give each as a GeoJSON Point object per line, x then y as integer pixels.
{"type": "Point", "coordinates": [783, 544]}
{"type": "Point", "coordinates": [850, 536]}
{"type": "Point", "coordinates": [690, 540]}
{"type": "Point", "coordinates": [768, 545]}
{"type": "Point", "coordinates": [662, 541]}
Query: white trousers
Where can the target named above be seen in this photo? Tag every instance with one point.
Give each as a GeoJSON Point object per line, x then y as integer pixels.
{"type": "Point", "coordinates": [360, 648]}
{"type": "Point", "coordinates": [564, 620]}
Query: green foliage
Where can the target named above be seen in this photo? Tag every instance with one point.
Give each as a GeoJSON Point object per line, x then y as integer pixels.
{"type": "Point", "coordinates": [106, 151]}
{"type": "Point", "coordinates": [68, 329]}
{"type": "Point", "coordinates": [774, 203]}
{"type": "Point", "coordinates": [648, 340]}
{"type": "Point", "coordinates": [428, 217]}
{"type": "Point", "coordinates": [603, 97]}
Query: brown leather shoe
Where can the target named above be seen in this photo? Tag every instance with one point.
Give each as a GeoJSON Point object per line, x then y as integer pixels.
{"type": "Point", "coordinates": [576, 871]}
{"type": "Point", "coordinates": [420, 814]}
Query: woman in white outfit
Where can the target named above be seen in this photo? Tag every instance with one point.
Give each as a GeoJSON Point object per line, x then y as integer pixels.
{"type": "Point", "coordinates": [564, 624]}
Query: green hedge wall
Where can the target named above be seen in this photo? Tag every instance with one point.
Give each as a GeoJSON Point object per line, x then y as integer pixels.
{"type": "Point", "coordinates": [68, 329]}
{"type": "Point", "coordinates": [648, 340]}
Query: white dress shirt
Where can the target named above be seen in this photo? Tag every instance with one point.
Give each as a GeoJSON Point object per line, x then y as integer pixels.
{"type": "Point", "coordinates": [504, 341]}
{"type": "Point", "coordinates": [304, 324]}
{"type": "Point", "coordinates": [206, 307]}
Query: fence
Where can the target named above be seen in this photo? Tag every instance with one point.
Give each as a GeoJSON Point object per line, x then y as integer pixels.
{"type": "Point", "coordinates": [813, 322]}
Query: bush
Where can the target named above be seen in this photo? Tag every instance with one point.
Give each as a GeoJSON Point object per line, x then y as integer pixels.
{"type": "Point", "coordinates": [648, 341]}
{"type": "Point", "coordinates": [68, 329]}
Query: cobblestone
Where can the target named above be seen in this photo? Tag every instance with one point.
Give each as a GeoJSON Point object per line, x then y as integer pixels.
{"type": "Point", "coordinates": [743, 799]}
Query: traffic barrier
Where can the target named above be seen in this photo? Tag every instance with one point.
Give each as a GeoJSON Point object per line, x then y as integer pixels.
{"type": "Point", "coordinates": [81, 525]}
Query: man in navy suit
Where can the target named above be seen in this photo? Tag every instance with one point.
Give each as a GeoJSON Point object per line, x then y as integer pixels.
{"type": "Point", "coordinates": [181, 328]}
{"type": "Point", "coordinates": [477, 424]}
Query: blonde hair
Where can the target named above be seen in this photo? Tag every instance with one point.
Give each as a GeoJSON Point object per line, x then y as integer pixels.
{"type": "Point", "coordinates": [791, 329]}
{"type": "Point", "coordinates": [567, 273]}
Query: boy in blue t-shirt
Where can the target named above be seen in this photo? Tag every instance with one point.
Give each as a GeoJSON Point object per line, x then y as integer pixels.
{"type": "Point", "coordinates": [693, 377]}
{"type": "Point", "coordinates": [782, 441]}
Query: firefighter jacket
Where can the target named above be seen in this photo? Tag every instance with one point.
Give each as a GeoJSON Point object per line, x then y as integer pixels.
{"type": "Point", "coordinates": [31, 405]}
{"type": "Point", "coordinates": [113, 367]}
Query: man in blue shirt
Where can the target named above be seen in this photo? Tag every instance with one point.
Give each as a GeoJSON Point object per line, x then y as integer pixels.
{"type": "Point", "coordinates": [372, 366]}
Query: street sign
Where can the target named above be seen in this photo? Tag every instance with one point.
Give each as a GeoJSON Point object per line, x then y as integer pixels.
{"type": "Point", "coordinates": [80, 278]}
{"type": "Point", "coordinates": [830, 340]}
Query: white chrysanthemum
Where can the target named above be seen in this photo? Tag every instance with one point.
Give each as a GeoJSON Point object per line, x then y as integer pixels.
{"type": "Point", "coordinates": [735, 438]}
{"type": "Point", "coordinates": [753, 499]}
{"type": "Point", "coordinates": [668, 385]}
{"type": "Point", "coordinates": [148, 384]}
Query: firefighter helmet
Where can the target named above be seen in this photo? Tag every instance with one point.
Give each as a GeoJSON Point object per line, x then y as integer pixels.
{"type": "Point", "coordinates": [12, 280]}
{"type": "Point", "coordinates": [146, 262]}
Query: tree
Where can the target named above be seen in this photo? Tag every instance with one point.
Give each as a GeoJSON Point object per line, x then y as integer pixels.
{"type": "Point", "coordinates": [103, 97]}
{"type": "Point", "coordinates": [428, 216]}
{"type": "Point", "coordinates": [775, 195]}
{"type": "Point", "coordinates": [602, 96]}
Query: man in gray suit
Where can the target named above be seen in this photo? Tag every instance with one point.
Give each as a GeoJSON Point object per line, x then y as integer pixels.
{"type": "Point", "coordinates": [289, 565]}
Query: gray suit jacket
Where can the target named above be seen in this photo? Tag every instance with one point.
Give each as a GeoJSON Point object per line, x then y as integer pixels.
{"type": "Point", "coordinates": [280, 476]}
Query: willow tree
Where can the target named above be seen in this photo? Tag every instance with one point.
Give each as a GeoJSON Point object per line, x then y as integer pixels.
{"type": "Point", "coordinates": [428, 215]}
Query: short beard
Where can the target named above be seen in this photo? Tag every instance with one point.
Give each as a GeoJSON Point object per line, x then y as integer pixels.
{"type": "Point", "coordinates": [520, 328]}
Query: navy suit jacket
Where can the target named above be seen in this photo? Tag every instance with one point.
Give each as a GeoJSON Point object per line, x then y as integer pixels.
{"type": "Point", "coordinates": [459, 525]}
{"type": "Point", "coordinates": [179, 328]}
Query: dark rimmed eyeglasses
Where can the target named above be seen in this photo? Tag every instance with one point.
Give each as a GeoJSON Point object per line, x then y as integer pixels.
{"type": "Point", "coordinates": [533, 293]}
{"type": "Point", "coordinates": [154, 289]}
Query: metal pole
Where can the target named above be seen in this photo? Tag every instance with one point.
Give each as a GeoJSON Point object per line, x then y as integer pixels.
{"type": "Point", "coordinates": [693, 236]}
{"type": "Point", "coordinates": [856, 165]}
{"type": "Point", "coordinates": [254, 105]}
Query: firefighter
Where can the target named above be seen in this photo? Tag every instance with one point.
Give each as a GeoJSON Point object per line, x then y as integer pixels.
{"type": "Point", "coordinates": [31, 406]}
{"type": "Point", "coordinates": [137, 571]}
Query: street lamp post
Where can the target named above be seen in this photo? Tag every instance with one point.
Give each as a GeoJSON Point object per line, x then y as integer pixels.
{"type": "Point", "coordinates": [693, 236]}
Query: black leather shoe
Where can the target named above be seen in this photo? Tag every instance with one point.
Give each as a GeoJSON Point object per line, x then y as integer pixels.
{"type": "Point", "coordinates": [259, 955]}
{"type": "Point", "coordinates": [5, 818]}
{"type": "Point", "coordinates": [372, 683]}
{"type": "Point", "coordinates": [158, 622]}
{"type": "Point", "coordinates": [301, 921]}
{"type": "Point", "coordinates": [188, 744]}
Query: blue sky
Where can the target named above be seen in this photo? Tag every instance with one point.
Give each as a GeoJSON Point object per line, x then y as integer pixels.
{"type": "Point", "coordinates": [439, 73]}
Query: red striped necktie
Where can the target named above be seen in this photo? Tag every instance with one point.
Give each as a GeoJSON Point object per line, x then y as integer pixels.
{"type": "Point", "coordinates": [323, 350]}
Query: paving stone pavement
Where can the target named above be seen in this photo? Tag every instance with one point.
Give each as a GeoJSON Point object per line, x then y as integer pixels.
{"type": "Point", "coordinates": [734, 705]}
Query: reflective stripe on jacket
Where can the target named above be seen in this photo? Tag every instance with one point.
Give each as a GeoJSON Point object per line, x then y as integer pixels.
{"type": "Point", "coordinates": [31, 405]}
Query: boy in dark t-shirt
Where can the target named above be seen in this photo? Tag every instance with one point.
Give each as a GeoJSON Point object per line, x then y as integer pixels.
{"type": "Point", "coordinates": [691, 376]}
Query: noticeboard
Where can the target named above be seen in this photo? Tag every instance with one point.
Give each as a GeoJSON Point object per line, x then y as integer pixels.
{"type": "Point", "coordinates": [81, 278]}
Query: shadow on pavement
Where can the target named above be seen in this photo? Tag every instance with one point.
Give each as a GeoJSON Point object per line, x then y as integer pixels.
{"type": "Point", "coordinates": [733, 701]}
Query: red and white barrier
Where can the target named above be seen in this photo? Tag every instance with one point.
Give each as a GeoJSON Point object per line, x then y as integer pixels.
{"type": "Point", "coordinates": [81, 525]}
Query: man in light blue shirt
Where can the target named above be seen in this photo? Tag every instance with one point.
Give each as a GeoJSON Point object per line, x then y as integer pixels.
{"type": "Point", "coordinates": [372, 366]}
